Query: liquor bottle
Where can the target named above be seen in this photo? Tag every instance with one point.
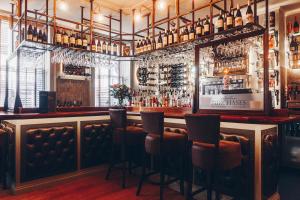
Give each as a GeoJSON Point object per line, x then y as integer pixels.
{"type": "Point", "coordinates": [84, 42]}
{"type": "Point", "coordinates": [238, 21]}
{"type": "Point", "coordinates": [186, 34]}
{"type": "Point", "coordinates": [225, 24]}
{"type": "Point", "coordinates": [198, 29]}
{"type": "Point", "coordinates": [65, 39]}
{"type": "Point", "coordinates": [192, 33]}
{"type": "Point", "coordinates": [94, 47]}
{"type": "Point", "coordinates": [58, 38]}
{"type": "Point", "coordinates": [249, 14]}
{"type": "Point", "coordinates": [175, 36]}
{"type": "Point", "coordinates": [230, 18]}
{"type": "Point", "coordinates": [104, 48]}
{"type": "Point", "coordinates": [165, 40]}
{"type": "Point", "coordinates": [145, 45]}
{"type": "Point", "coordinates": [40, 36]}
{"type": "Point", "coordinates": [170, 38]}
{"type": "Point", "coordinates": [159, 41]}
{"type": "Point", "coordinates": [35, 34]}
{"type": "Point", "coordinates": [296, 26]}
{"type": "Point", "coordinates": [272, 19]}
{"type": "Point", "coordinates": [293, 45]}
{"type": "Point", "coordinates": [206, 26]}
{"type": "Point", "coordinates": [45, 38]}
{"type": "Point", "coordinates": [29, 32]}
{"type": "Point", "coordinates": [78, 41]}
{"type": "Point", "coordinates": [115, 49]}
{"type": "Point", "coordinates": [153, 44]}
{"type": "Point", "coordinates": [99, 46]}
{"type": "Point", "coordinates": [149, 45]}
{"type": "Point", "coordinates": [137, 47]}
{"type": "Point", "coordinates": [72, 40]}
{"type": "Point", "coordinates": [220, 23]}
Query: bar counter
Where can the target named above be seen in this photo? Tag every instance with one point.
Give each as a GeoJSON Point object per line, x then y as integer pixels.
{"type": "Point", "coordinates": [81, 145]}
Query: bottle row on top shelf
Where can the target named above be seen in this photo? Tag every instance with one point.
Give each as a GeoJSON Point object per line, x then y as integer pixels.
{"type": "Point", "coordinates": [224, 22]}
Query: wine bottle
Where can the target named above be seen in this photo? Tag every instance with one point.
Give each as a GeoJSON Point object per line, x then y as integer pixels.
{"type": "Point", "coordinates": [94, 47]}
{"type": "Point", "coordinates": [293, 45]}
{"type": "Point", "coordinates": [238, 21]}
{"type": "Point", "coordinates": [249, 14]}
{"type": "Point", "coordinates": [145, 46]}
{"type": "Point", "coordinates": [220, 23]}
{"type": "Point", "coordinates": [29, 32]}
{"type": "Point", "coordinates": [58, 38]}
{"type": "Point", "coordinates": [99, 46]}
{"type": "Point", "coordinates": [198, 29]}
{"type": "Point", "coordinates": [137, 47]}
{"type": "Point", "coordinates": [153, 46]}
{"type": "Point", "coordinates": [109, 48]}
{"type": "Point", "coordinates": [40, 36]}
{"type": "Point", "coordinates": [175, 36]}
{"type": "Point", "coordinates": [65, 39]}
{"type": "Point", "coordinates": [45, 37]}
{"type": "Point", "coordinates": [165, 40]}
{"type": "Point", "coordinates": [159, 41]}
{"type": "Point", "coordinates": [104, 48]}
{"type": "Point", "coordinates": [192, 33]}
{"type": "Point", "coordinates": [186, 34]}
{"type": "Point", "coordinates": [78, 41]}
{"type": "Point", "coordinates": [230, 18]}
{"type": "Point", "coordinates": [72, 40]}
{"type": "Point", "coordinates": [206, 26]}
{"type": "Point", "coordinates": [296, 26]}
{"type": "Point", "coordinates": [170, 38]}
{"type": "Point", "coordinates": [84, 42]}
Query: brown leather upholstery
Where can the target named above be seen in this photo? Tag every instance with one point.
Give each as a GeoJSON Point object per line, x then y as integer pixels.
{"type": "Point", "coordinates": [229, 155]}
{"type": "Point", "coordinates": [132, 135]}
{"type": "Point", "coordinates": [172, 143]}
{"type": "Point", "coordinates": [208, 152]}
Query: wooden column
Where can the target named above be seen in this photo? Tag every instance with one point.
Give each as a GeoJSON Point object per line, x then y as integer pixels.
{"type": "Point", "coordinates": [197, 81]}
{"type": "Point", "coordinates": [91, 21]}
{"type": "Point", "coordinates": [133, 32]}
{"type": "Point", "coordinates": [121, 35]}
{"type": "Point", "coordinates": [177, 15]}
{"type": "Point", "coordinates": [267, 100]}
{"type": "Point", "coordinates": [193, 13]}
{"type": "Point", "coordinates": [153, 17]}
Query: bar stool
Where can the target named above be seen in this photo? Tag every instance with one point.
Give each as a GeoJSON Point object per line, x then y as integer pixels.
{"type": "Point", "coordinates": [124, 136]}
{"type": "Point", "coordinates": [208, 152]}
{"type": "Point", "coordinates": [161, 144]}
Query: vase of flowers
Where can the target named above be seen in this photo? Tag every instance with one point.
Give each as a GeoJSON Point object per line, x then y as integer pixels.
{"type": "Point", "coordinates": [120, 92]}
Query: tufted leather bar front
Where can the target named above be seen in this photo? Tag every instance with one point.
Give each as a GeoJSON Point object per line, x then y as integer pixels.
{"type": "Point", "coordinates": [96, 138]}
{"type": "Point", "coordinates": [48, 151]}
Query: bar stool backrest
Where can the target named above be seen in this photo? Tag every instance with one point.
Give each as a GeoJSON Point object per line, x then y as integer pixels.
{"type": "Point", "coordinates": [153, 122]}
{"type": "Point", "coordinates": [203, 128]}
{"type": "Point", "coordinates": [118, 118]}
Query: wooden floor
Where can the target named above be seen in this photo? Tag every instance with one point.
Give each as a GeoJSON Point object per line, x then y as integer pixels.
{"type": "Point", "coordinates": [95, 187]}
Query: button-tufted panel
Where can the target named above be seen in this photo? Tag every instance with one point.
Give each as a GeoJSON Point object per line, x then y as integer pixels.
{"type": "Point", "coordinates": [48, 151]}
{"type": "Point", "coordinates": [95, 144]}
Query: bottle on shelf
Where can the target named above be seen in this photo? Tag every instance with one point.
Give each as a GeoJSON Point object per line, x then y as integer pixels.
{"type": "Point", "coordinates": [165, 39]}
{"type": "Point", "coordinates": [296, 26]}
{"type": "Point", "coordinates": [115, 49]}
{"type": "Point", "coordinates": [149, 45]}
{"type": "Point", "coordinates": [170, 38]}
{"type": "Point", "coordinates": [238, 21]}
{"type": "Point", "coordinates": [293, 45]}
{"type": "Point", "coordinates": [206, 26]}
{"type": "Point", "coordinates": [35, 34]}
{"type": "Point", "coordinates": [58, 37]}
{"type": "Point", "coordinates": [29, 32]}
{"type": "Point", "coordinates": [153, 44]}
{"type": "Point", "coordinates": [145, 45]}
{"type": "Point", "coordinates": [249, 14]}
{"type": "Point", "coordinates": [78, 41]}
{"type": "Point", "coordinates": [159, 41]}
{"type": "Point", "coordinates": [230, 18]}
{"type": "Point", "coordinates": [104, 48]}
{"type": "Point", "coordinates": [45, 37]}
{"type": "Point", "coordinates": [84, 42]}
{"type": "Point", "coordinates": [137, 47]}
{"type": "Point", "coordinates": [72, 40]}
{"type": "Point", "coordinates": [40, 36]}
{"type": "Point", "coordinates": [186, 34]}
{"type": "Point", "coordinates": [109, 48]}
{"type": "Point", "coordinates": [94, 45]}
{"type": "Point", "coordinates": [65, 39]}
{"type": "Point", "coordinates": [192, 32]}
{"type": "Point", "coordinates": [99, 45]}
{"type": "Point", "coordinates": [175, 36]}
{"type": "Point", "coordinates": [220, 22]}
{"type": "Point", "coordinates": [198, 28]}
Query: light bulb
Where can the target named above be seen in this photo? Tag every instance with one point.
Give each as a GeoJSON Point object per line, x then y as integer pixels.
{"type": "Point", "coordinates": [161, 5]}
{"type": "Point", "coordinates": [99, 17]}
{"type": "Point", "coordinates": [63, 5]}
{"type": "Point", "coordinates": [137, 17]}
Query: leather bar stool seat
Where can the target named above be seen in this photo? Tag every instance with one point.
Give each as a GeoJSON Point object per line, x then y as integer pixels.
{"type": "Point", "coordinates": [134, 135]}
{"type": "Point", "coordinates": [173, 143]}
{"type": "Point", "coordinates": [229, 155]}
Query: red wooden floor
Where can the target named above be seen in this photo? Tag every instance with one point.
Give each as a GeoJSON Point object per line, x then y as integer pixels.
{"type": "Point", "coordinates": [95, 187]}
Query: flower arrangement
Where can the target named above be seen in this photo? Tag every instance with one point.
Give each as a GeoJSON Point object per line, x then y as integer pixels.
{"type": "Point", "coordinates": [120, 92]}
